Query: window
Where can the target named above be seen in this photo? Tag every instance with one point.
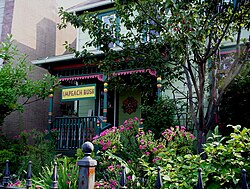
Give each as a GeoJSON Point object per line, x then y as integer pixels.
{"type": "Point", "coordinates": [111, 22]}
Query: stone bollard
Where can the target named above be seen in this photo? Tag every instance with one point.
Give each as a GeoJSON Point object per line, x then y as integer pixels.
{"type": "Point", "coordinates": [87, 168]}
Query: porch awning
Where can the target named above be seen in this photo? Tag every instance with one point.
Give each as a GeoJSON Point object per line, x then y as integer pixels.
{"type": "Point", "coordinates": [100, 77]}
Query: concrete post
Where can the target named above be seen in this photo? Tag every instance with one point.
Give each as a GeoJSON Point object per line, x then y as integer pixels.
{"type": "Point", "coordinates": [87, 168]}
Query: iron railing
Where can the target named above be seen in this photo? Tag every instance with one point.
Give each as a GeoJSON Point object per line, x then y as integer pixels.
{"type": "Point", "coordinates": [72, 132]}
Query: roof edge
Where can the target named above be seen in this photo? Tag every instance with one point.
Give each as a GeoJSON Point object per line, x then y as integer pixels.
{"type": "Point", "coordinates": [53, 59]}
{"type": "Point", "coordinates": [90, 6]}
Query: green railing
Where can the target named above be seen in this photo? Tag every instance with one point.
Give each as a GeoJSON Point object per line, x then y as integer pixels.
{"type": "Point", "coordinates": [72, 132]}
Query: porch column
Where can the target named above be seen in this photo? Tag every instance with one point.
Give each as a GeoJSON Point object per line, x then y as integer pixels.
{"type": "Point", "coordinates": [158, 87]}
{"type": "Point", "coordinates": [50, 109]}
{"type": "Point", "coordinates": [105, 102]}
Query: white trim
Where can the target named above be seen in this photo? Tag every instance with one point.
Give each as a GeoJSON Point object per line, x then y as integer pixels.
{"type": "Point", "coordinates": [87, 7]}
{"type": "Point", "coordinates": [78, 38]}
{"type": "Point", "coordinates": [67, 57]}
{"type": "Point", "coordinates": [115, 104]}
{"type": "Point", "coordinates": [54, 59]}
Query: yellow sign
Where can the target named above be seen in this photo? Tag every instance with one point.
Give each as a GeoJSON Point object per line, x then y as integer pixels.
{"type": "Point", "coordinates": [77, 93]}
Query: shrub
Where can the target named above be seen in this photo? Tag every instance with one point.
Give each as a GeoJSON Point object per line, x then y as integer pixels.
{"type": "Point", "coordinates": [226, 157]}
{"type": "Point", "coordinates": [33, 146]}
{"type": "Point", "coordinates": [141, 155]}
{"type": "Point", "coordinates": [138, 151]}
{"type": "Point", "coordinates": [159, 116]}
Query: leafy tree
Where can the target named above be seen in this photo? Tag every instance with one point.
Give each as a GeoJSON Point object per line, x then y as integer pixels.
{"type": "Point", "coordinates": [16, 88]}
{"type": "Point", "coordinates": [180, 39]}
{"type": "Point", "coordinates": [234, 107]}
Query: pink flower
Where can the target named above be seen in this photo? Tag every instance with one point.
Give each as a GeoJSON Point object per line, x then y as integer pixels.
{"type": "Point", "coordinates": [68, 182]}
{"type": "Point", "coordinates": [136, 119]}
{"type": "Point", "coordinates": [169, 138]}
{"type": "Point", "coordinates": [68, 175]}
{"type": "Point", "coordinates": [183, 128]}
{"type": "Point", "coordinates": [38, 186]}
{"type": "Point", "coordinates": [98, 184]}
{"type": "Point", "coordinates": [140, 147]}
{"type": "Point", "coordinates": [122, 128]}
{"type": "Point", "coordinates": [101, 142]}
{"type": "Point", "coordinates": [113, 183]}
{"type": "Point", "coordinates": [114, 129]}
{"type": "Point", "coordinates": [114, 147]}
{"type": "Point", "coordinates": [95, 137]}
{"type": "Point", "coordinates": [149, 131]}
{"type": "Point", "coordinates": [108, 143]}
{"type": "Point", "coordinates": [130, 161]}
{"type": "Point", "coordinates": [169, 131]}
{"type": "Point", "coordinates": [104, 133]}
{"type": "Point", "coordinates": [125, 122]}
{"type": "Point", "coordinates": [111, 168]}
{"type": "Point", "coordinates": [155, 159]}
{"type": "Point", "coordinates": [104, 147]}
{"type": "Point", "coordinates": [142, 133]}
{"type": "Point", "coordinates": [192, 136]}
{"type": "Point", "coordinates": [147, 153]}
{"type": "Point", "coordinates": [142, 141]}
{"type": "Point", "coordinates": [129, 177]}
{"type": "Point", "coordinates": [154, 149]}
{"type": "Point", "coordinates": [160, 146]}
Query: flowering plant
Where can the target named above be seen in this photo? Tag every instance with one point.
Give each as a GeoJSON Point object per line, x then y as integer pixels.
{"type": "Point", "coordinates": [138, 151]}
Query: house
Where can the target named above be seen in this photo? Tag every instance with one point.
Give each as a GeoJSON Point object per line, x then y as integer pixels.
{"type": "Point", "coordinates": [33, 26]}
{"type": "Point", "coordinates": [88, 103]}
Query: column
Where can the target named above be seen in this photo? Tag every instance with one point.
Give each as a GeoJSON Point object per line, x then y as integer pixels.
{"type": "Point", "coordinates": [158, 87]}
{"type": "Point", "coordinates": [105, 102]}
{"type": "Point", "coordinates": [50, 109]}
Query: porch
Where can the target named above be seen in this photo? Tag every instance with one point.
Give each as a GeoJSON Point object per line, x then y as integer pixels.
{"type": "Point", "coordinates": [71, 132]}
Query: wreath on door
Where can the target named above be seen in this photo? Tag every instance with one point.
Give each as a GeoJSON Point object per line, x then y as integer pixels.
{"type": "Point", "coordinates": [129, 105]}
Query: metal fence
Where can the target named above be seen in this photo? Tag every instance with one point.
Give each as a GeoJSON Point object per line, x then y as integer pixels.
{"type": "Point", "coordinates": [86, 175]}
{"type": "Point", "coordinates": [73, 131]}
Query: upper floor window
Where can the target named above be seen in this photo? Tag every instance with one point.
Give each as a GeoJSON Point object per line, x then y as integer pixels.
{"type": "Point", "coordinates": [111, 23]}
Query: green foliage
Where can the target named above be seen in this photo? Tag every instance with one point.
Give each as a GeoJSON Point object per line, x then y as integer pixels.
{"type": "Point", "coordinates": [139, 152]}
{"type": "Point", "coordinates": [15, 82]}
{"type": "Point", "coordinates": [32, 146]}
{"type": "Point", "coordinates": [225, 160]}
{"type": "Point", "coordinates": [67, 171]}
{"type": "Point", "coordinates": [37, 147]}
{"type": "Point", "coordinates": [234, 108]}
{"type": "Point", "coordinates": [159, 116]}
{"type": "Point", "coordinates": [226, 157]}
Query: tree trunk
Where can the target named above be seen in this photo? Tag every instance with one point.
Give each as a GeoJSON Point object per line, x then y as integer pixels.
{"type": "Point", "coordinates": [201, 139]}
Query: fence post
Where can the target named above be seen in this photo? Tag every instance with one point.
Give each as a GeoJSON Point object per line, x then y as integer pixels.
{"type": "Point", "coordinates": [87, 168]}
{"type": "Point", "coordinates": [244, 179]}
{"type": "Point", "coordinates": [123, 178]}
{"type": "Point", "coordinates": [158, 183]}
{"type": "Point", "coordinates": [6, 175]}
{"type": "Point", "coordinates": [29, 175]}
{"type": "Point", "coordinates": [54, 184]}
{"type": "Point", "coordinates": [200, 183]}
